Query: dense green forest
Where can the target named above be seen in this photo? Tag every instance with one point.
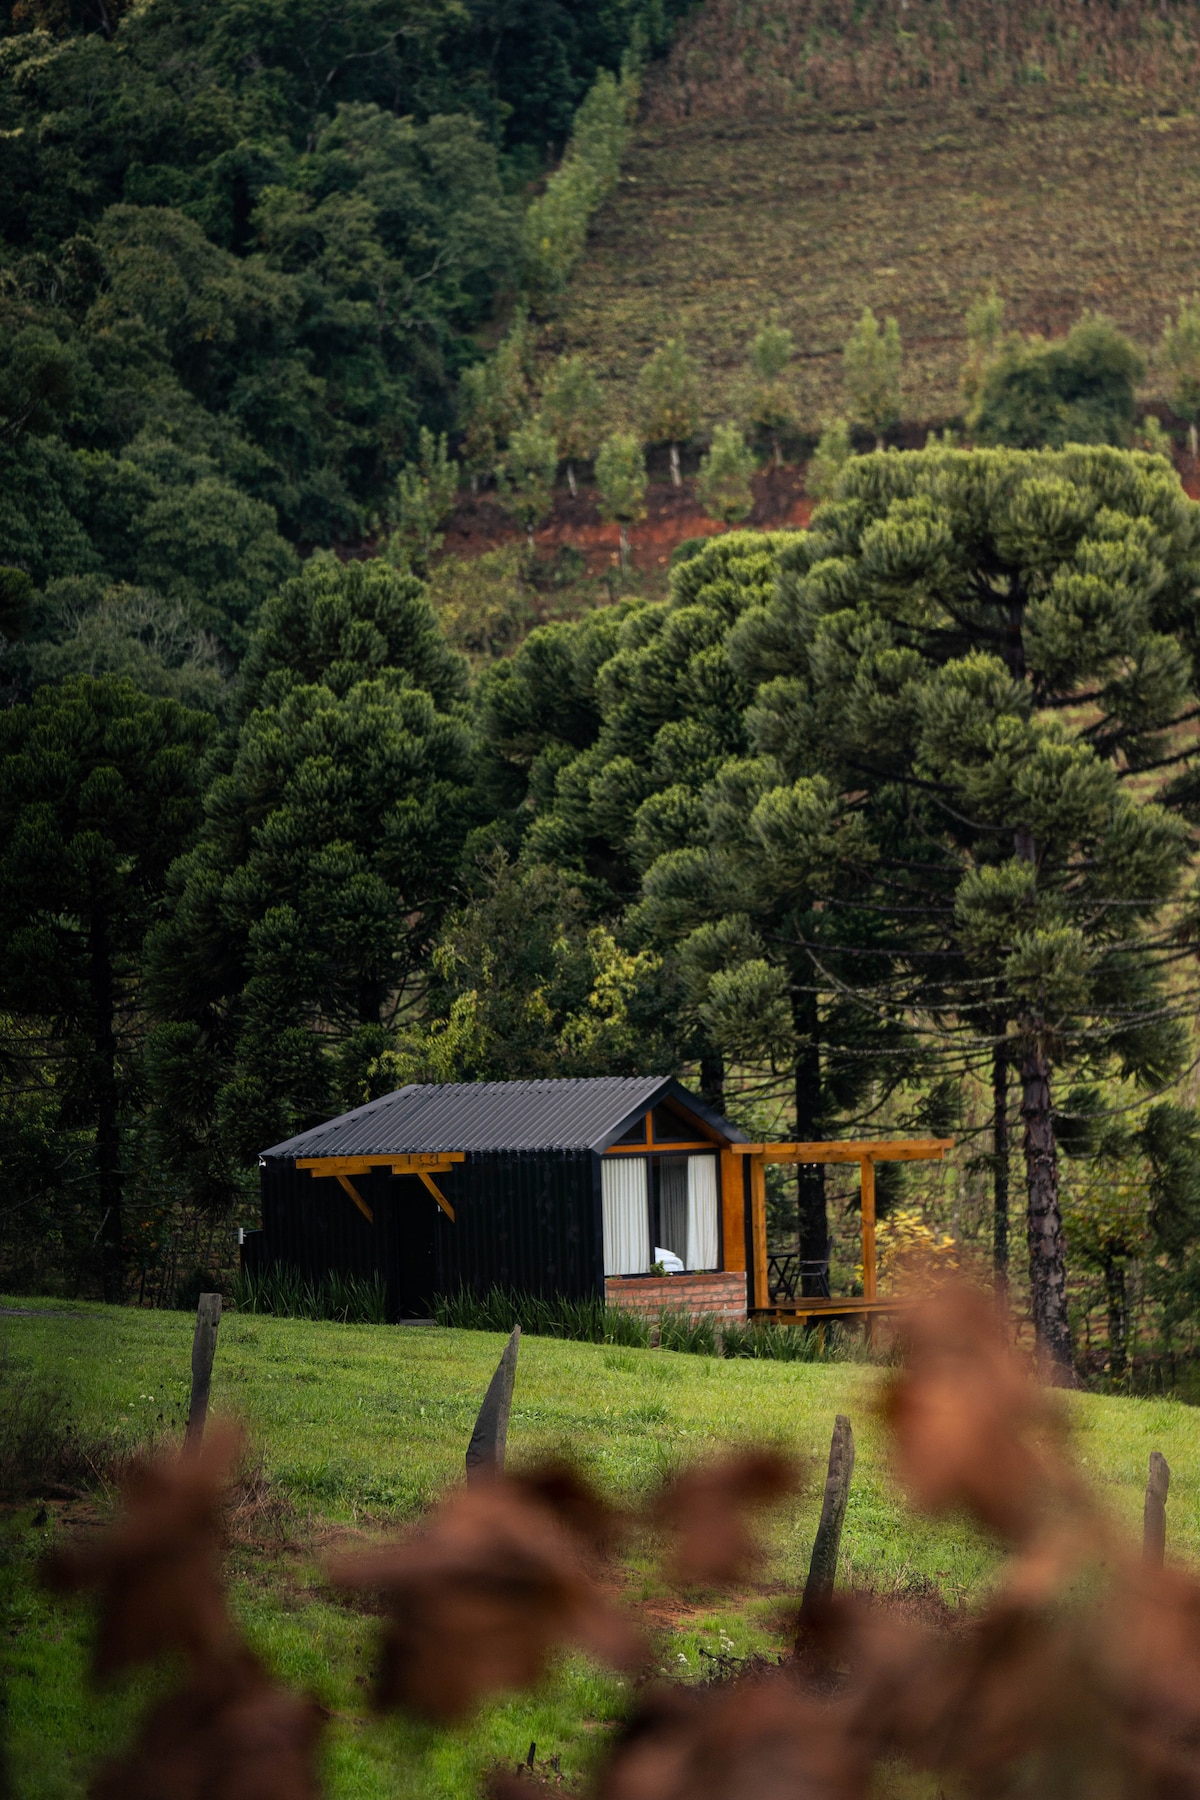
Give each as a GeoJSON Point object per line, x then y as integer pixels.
{"type": "Point", "coordinates": [882, 825]}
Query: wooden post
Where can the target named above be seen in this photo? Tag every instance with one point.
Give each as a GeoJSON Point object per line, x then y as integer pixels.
{"type": "Point", "coordinates": [758, 1230]}
{"type": "Point", "coordinates": [1154, 1513]}
{"type": "Point", "coordinates": [870, 1282]}
{"type": "Point", "coordinates": [822, 1568]}
{"type": "Point", "coordinates": [489, 1440]}
{"type": "Point", "coordinates": [204, 1348]}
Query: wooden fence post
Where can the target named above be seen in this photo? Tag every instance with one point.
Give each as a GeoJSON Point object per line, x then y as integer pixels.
{"type": "Point", "coordinates": [204, 1348]}
{"type": "Point", "coordinates": [1154, 1513]}
{"type": "Point", "coordinates": [485, 1452]}
{"type": "Point", "coordinates": [822, 1569]}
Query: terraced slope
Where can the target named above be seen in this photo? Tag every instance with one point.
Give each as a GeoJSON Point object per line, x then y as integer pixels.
{"type": "Point", "coordinates": [1065, 201]}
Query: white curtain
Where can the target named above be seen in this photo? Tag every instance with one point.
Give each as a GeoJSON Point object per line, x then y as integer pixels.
{"type": "Point", "coordinates": [702, 1214]}
{"type": "Point", "coordinates": [625, 1196]}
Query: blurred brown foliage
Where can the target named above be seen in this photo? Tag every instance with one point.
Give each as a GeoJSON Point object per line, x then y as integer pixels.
{"type": "Point", "coordinates": [706, 1508]}
{"type": "Point", "coordinates": [1080, 1676]}
{"type": "Point", "coordinates": [231, 1734]}
{"type": "Point", "coordinates": [480, 1599]}
{"type": "Point", "coordinates": [158, 1568]}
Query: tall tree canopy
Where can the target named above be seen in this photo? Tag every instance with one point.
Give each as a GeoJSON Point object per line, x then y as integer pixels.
{"type": "Point", "coordinates": [99, 793]}
{"type": "Point", "coordinates": [303, 918]}
{"type": "Point", "coordinates": [981, 650]}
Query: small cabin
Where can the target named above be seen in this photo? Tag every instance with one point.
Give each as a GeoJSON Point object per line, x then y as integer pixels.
{"type": "Point", "coordinates": [625, 1188]}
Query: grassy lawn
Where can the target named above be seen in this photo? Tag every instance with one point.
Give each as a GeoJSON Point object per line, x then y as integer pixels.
{"type": "Point", "coordinates": [360, 1426]}
{"type": "Point", "coordinates": [913, 207]}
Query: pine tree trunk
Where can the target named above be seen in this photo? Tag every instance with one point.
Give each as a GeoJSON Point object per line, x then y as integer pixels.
{"type": "Point", "coordinates": [1193, 440]}
{"type": "Point", "coordinates": [676, 477]}
{"type": "Point", "coordinates": [712, 1080]}
{"type": "Point", "coordinates": [1000, 1169]}
{"type": "Point", "coordinates": [1047, 1264]}
{"type": "Point", "coordinates": [107, 1102]}
{"type": "Point", "coordinates": [571, 478]}
{"type": "Point", "coordinates": [1118, 1314]}
{"type": "Point", "coordinates": [812, 1216]}
{"type": "Point", "coordinates": [624, 534]}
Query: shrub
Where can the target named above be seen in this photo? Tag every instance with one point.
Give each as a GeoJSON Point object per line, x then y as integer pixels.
{"type": "Point", "coordinates": [1079, 389]}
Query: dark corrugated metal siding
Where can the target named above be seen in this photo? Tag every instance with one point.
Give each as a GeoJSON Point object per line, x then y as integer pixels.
{"type": "Point", "coordinates": [314, 1225]}
{"type": "Point", "coordinates": [526, 1221]}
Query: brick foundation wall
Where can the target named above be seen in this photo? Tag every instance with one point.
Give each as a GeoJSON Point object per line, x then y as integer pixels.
{"type": "Point", "coordinates": [724, 1295]}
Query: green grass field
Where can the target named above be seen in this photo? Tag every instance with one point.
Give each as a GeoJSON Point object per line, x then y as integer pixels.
{"type": "Point", "coordinates": [357, 1428]}
{"type": "Point", "coordinates": [1065, 201]}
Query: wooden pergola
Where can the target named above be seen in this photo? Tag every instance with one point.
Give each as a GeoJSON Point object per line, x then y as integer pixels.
{"type": "Point", "coordinates": [866, 1154]}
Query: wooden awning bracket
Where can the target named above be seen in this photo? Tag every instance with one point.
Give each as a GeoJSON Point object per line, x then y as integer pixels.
{"type": "Point", "coordinates": [345, 1182]}
{"type": "Point", "coordinates": [423, 1164]}
{"type": "Point", "coordinates": [437, 1193]}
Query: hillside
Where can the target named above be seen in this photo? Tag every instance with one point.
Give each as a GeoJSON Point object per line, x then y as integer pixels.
{"type": "Point", "coordinates": [748, 194]}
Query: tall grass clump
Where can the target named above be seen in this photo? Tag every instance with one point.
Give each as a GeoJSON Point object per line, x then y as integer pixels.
{"type": "Point", "coordinates": [287, 1294]}
{"type": "Point", "coordinates": [586, 1321]}
{"type": "Point", "coordinates": [592, 1321]}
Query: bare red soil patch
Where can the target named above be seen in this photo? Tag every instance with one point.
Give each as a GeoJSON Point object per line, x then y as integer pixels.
{"type": "Point", "coordinates": [673, 515]}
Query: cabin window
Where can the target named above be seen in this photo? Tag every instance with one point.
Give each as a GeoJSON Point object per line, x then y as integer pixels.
{"type": "Point", "coordinates": [625, 1194]}
{"type": "Point", "coordinates": [668, 1204]}
{"type": "Point", "coordinates": [636, 1133]}
{"type": "Point", "coordinates": [669, 1128]}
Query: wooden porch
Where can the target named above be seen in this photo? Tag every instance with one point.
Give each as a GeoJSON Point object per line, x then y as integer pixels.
{"type": "Point", "coordinates": [813, 1308]}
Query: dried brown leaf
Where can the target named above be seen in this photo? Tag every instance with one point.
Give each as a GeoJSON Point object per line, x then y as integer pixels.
{"type": "Point", "coordinates": [706, 1508]}
{"type": "Point", "coordinates": [158, 1567]}
{"type": "Point", "coordinates": [230, 1735]}
{"type": "Point", "coordinates": [481, 1598]}
{"type": "Point", "coordinates": [969, 1426]}
{"type": "Point", "coordinates": [756, 1740]}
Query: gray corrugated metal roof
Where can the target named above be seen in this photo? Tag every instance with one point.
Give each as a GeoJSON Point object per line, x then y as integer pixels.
{"type": "Point", "coordinates": [583, 1114]}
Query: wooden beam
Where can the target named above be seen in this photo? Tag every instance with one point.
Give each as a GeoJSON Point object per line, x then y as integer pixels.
{"type": "Point", "coordinates": [345, 1182]}
{"type": "Point", "coordinates": [657, 1149]}
{"type": "Point", "coordinates": [870, 1289]}
{"type": "Point", "coordinates": [848, 1151]}
{"type": "Point", "coordinates": [758, 1231]}
{"type": "Point", "coordinates": [733, 1212]}
{"type": "Point", "coordinates": [424, 1176]}
{"type": "Point", "coordinates": [438, 1162]}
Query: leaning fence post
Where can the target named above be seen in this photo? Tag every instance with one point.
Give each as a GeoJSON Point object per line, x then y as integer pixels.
{"type": "Point", "coordinates": [204, 1348]}
{"type": "Point", "coordinates": [1154, 1513]}
{"type": "Point", "coordinates": [822, 1569]}
{"type": "Point", "coordinates": [485, 1452]}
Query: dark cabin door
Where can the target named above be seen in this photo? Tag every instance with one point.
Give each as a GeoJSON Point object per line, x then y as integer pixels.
{"type": "Point", "coordinates": [408, 1252]}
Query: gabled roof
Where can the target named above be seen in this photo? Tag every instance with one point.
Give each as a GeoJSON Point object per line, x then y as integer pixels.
{"type": "Point", "coordinates": [585, 1114]}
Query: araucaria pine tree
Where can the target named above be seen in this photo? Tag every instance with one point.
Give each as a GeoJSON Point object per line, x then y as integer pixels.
{"type": "Point", "coordinates": [723, 483]}
{"type": "Point", "coordinates": [871, 365]}
{"type": "Point", "coordinates": [669, 400]}
{"type": "Point", "coordinates": [527, 474]}
{"type": "Point", "coordinates": [772, 405]}
{"type": "Point", "coordinates": [573, 410]}
{"type": "Point", "coordinates": [621, 479]}
{"type": "Point", "coordinates": [980, 650]}
{"type": "Point", "coordinates": [425, 493]}
{"type": "Point", "coordinates": [1179, 355]}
